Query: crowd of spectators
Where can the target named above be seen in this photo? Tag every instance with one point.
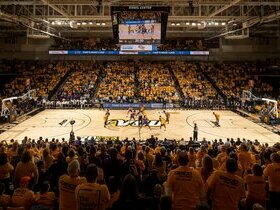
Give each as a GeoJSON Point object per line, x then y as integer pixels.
{"type": "Point", "coordinates": [182, 44]}
{"type": "Point", "coordinates": [233, 78]}
{"type": "Point", "coordinates": [197, 91]}
{"type": "Point", "coordinates": [81, 83]}
{"type": "Point", "coordinates": [109, 44]}
{"type": "Point", "coordinates": [42, 76]}
{"type": "Point", "coordinates": [84, 44]}
{"type": "Point", "coordinates": [192, 82]}
{"type": "Point", "coordinates": [118, 84]}
{"type": "Point", "coordinates": [147, 175]}
{"type": "Point", "coordinates": [156, 83]}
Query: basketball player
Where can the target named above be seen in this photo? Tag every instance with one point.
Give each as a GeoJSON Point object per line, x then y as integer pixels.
{"type": "Point", "coordinates": [142, 109]}
{"type": "Point", "coordinates": [132, 115]}
{"type": "Point", "coordinates": [162, 122]}
{"type": "Point", "coordinates": [106, 117]}
{"type": "Point", "coordinates": [140, 118]}
{"type": "Point", "coordinates": [146, 121]}
{"type": "Point", "coordinates": [195, 132]}
{"type": "Point", "coordinates": [167, 115]}
{"type": "Point", "coordinates": [130, 110]}
{"type": "Point", "coordinates": [217, 116]}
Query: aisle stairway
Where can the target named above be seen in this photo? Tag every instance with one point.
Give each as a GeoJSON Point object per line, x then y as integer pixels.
{"type": "Point", "coordinates": [54, 92]}
{"type": "Point", "coordinates": [213, 83]}
{"type": "Point", "coordinates": [176, 83]}
{"type": "Point", "coordinates": [136, 81]}
{"type": "Point", "coordinates": [101, 76]}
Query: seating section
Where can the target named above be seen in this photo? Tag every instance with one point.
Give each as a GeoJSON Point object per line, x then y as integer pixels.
{"type": "Point", "coordinates": [156, 83]}
{"type": "Point", "coordinates": [233, 78]}
{"type": "Point", "coordinates": [80, 84]}
{"type": "Point", "coordinates": [193, 83]}
{"type": "Point", "coordinates": [42, 76]}
{"type": "Point", "coordinates": [118, 84]}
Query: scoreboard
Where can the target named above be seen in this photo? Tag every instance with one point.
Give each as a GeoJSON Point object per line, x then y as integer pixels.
{"type": "Point", "coordinates": [139, 25]}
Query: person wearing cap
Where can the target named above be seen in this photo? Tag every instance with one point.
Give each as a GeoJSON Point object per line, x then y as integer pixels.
{"type": "Point", "coordinates": [272, 172]}
{"type": "Point", "coordinates": [91, 195]}
{"type": "Point", "coordinates": [22, 196]}
{"type": "Point", "coordinates": [67, 185]}
{"type": "Point", "coordinates": [184, 185]}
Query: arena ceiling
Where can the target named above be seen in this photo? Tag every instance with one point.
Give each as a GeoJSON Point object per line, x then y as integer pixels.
{"type": "Point", "coordinates": [206, 18]}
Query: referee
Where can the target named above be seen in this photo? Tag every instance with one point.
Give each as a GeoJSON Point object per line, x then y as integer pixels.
{"type": "Point", "coordinates": [195, 132]}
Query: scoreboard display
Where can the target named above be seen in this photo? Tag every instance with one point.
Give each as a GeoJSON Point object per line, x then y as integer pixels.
{"type": "Point", "coordinates": [139, 24]}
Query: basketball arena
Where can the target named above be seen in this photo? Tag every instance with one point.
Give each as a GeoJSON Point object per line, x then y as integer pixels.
{"type": "Point", "coordinates": [140, 105]}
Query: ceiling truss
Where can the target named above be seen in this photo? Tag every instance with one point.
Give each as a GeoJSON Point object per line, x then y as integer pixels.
{"type": "Point", "coordinates": [182, 14]}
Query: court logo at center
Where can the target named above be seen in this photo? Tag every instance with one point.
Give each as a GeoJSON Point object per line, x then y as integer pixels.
{"type": "Point", "coordinates": [133, 123]}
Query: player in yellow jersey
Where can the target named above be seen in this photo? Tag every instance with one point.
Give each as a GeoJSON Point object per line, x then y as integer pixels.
{"type": "Point", "coordinates": [162, 122]}
{"type": "Point", "coordinates": [106, 117]}
{"type": "Point", "coordinates": [142, 110]}
{"type": "Point", "coordinates": [217, 117]}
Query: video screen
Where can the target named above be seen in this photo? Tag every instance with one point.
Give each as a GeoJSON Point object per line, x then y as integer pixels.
{"type": "Point", "coordinates": [139, 27]}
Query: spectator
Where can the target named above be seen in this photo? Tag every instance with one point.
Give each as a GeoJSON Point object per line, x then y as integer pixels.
{"type": "Point", "coordinates": [57, 169]}
{"type": "Point", "coordinates": [48, 159]}
{"type": "Point", "coordinates": [114, 192]}
{"type": "Point", "coordinates": [67, 185]}
{"type": "Point", "coordinates": [91, 195]}
{"type": "Point", "coordinates": [5, 170]}
{"type": "Point", "coordinates": [207, 168]}
{"type": "Point", "coordinates": [46, 198]}
{"type": "Point", "coordinates": [256, 187]}
{"type": "Point", "coordinates": [26, 167]}
{"type": "Point", "coordinates": [184, 185]}
{"type": "Point", "coordinates": [129, 197]}
{"type": "Point", "coordinates": [5, 200]}
{"type": "Point", "coordinates": [245, 160]}
{"type": "Point", "coordinates": [272, 171]}
{"type": "Point", "coordinates": [224, 189]}
{"type": "Point", "coordinates": [160, 167]}
{"type": "Point", "coordinates": [22, 196]}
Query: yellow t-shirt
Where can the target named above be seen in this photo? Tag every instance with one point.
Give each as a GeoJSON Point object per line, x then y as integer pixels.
{"type": "Point", "coordinates": [23, 197]}
{"type": "Point", "coordinates": [92, 196]}
{"type": "Point", "coordinates": [67, 186]}
{"type": "Point", "coordinates": [162, 121]}
{"type": "Point", "coordinates": [186, 185]}
{"type": "Point", "coordinates": [25, 169]}
{"type": "Point", "coordinates": [226, 190]}
{"type": "Point", "coordinates": [272, 171]}
{"type": "Point", "coordinates": [5, 200]}
{"type": "Point", "coordinates": [5, 171]}
{"type": "Point", "coordinates": [48, 161]}
{"type": "Point", "coordinates": [221, 157]}
{"type": "Point", "coordinates": [245, 160]}
{"type": "Point", "coordinates": [255, 186]}
{"type": "Point", "coordinates": [192, 159]}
